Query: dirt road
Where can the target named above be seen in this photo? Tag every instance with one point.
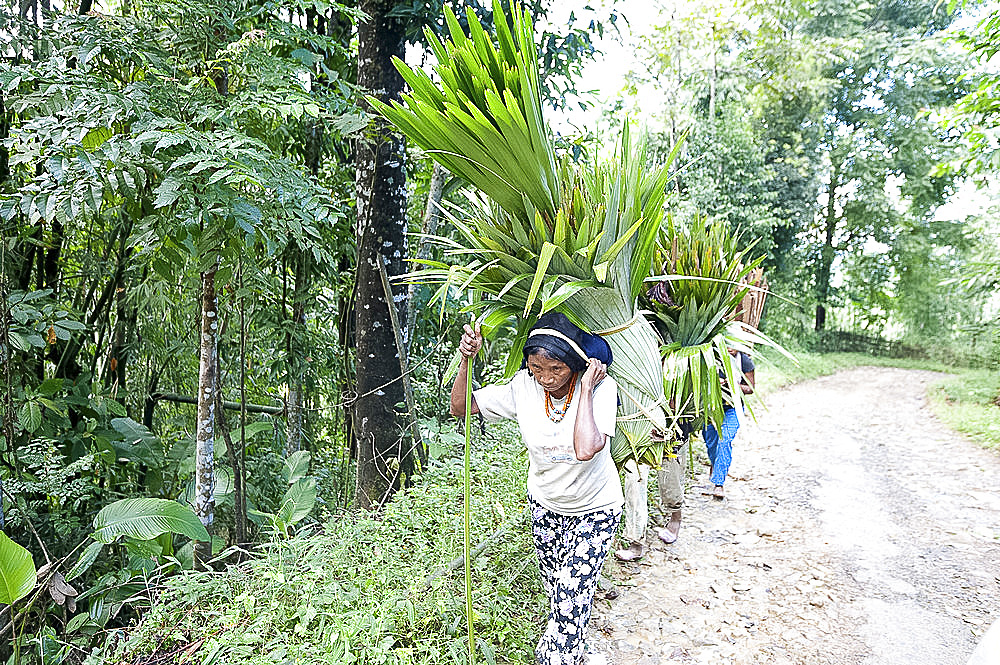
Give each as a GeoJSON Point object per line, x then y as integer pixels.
{"type": "Point", "coordinates": [857, 529]}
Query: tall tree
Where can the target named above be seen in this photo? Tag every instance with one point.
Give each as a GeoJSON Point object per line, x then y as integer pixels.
{"type": "Point", "coordinates": [208, 387]}
{"type": "Point", "coordinates": [383, 457]}
{"type": "Point", "coordinates": [879, 148]}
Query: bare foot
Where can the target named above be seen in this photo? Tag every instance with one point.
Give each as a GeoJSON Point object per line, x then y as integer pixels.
{"type": "Point", "coordinates": [669, 533]}
{"type": "Point", "coordinates": [633, 552]}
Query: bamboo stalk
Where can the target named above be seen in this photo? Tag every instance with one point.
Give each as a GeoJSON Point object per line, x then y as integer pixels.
{"type": "Point", "coordinates": [275, 410]}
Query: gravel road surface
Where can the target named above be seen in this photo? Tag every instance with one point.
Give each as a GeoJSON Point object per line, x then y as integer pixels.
{"type": "Point", "coordinates": [857, 529]}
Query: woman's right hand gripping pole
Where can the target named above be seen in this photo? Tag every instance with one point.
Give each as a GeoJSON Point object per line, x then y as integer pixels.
{"type": "Point", "coordinates": [469, 346]}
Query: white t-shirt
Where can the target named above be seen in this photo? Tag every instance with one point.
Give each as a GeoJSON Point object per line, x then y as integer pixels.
{"type": "Point", "coordinates": [556, 478]}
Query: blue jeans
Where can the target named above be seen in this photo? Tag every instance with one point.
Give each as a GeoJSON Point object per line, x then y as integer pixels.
{"type": "Point", "coordinates": [720, 448]}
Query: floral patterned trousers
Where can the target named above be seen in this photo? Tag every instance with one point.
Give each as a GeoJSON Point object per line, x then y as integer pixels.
{"type": "Point", "coordinates": [571, 550]}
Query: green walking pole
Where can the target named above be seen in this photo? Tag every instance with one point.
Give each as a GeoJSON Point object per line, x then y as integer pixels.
{"type": "Point", "coordinates": [467, 547]}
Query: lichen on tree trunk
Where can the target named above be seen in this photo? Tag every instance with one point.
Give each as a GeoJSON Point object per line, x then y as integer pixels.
{"type": "Point", "coordinates": [384, 456]}
{"type": "Point", "coordinates": [204, 499]}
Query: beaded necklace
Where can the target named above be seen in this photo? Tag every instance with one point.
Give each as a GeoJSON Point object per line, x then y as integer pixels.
{"type": "Point", "coordinates": [554, 413]}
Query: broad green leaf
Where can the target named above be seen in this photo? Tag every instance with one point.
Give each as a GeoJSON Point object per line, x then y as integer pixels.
{"type": "Point", "coordinates": [296, 466]}
{"type": "Point", "coordinates": [145, 518]}
{"type": "Point", "coordinates": [252, 429]}
{"type": "Point", "coordinates": [30, 416]}
{"type": "Point", "coordinates": [133, 432]}
{"type": "Point", "coordinates": [95, 138]}
{"type": "Point", "coordinates": [298, 502]}
{"type": "Point", "coordinates": [85, 561]}
{"type": "Point", "coordinates": [77, 622]}
{"type": "Point", "coordinates": [17, 571]}
{"type": "Point", "coordinates": [50, 387]}
{"type": "Point", "coordinates": [140, 445]}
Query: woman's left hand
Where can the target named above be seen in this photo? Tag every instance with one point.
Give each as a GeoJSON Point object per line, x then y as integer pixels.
{"type": "Point", "coordinates": [596, 372]}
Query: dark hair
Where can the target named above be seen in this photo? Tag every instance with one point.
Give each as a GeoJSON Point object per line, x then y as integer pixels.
{"type": "Point", "coordinates": [560, 339]}
{"type": "Point", "coordinates": [548, 348]}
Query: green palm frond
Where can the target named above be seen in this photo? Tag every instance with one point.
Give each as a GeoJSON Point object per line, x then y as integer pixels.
{"type": "Point", "coordinates": [483, 122]}
{"type": "Point", "coordinates": [541, 233]}
{"type": "Point", "coordinates": [694, 304]}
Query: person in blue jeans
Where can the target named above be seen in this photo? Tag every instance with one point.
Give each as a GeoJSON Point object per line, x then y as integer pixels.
{"type": "Point", "coordinates": [720, 444]}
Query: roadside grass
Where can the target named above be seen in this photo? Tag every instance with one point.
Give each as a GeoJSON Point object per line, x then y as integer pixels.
{"type": "Point", "coordinates": [367, 589]}
{"type": "Point", "coordinates": [967, 400]}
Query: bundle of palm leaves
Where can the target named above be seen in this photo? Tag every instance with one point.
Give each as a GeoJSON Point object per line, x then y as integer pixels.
{"type": "Point", "coordinates": [695, 303]}
{"type": "Point", "coordinates": [543, 233]}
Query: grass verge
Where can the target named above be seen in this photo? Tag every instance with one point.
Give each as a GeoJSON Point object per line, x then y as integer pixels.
{"type": "Point", "coordinates": [366, 590]}
{"type": "Point", "coordinates": [966, 400]}
{"type": "Point", "coordinates": [969, 402]}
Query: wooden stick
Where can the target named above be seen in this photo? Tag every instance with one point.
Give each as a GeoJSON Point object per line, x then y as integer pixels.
{"type": "Point", "coordinates": [407, 386]}
{"type": "Point", "coordinates": [275, 410]}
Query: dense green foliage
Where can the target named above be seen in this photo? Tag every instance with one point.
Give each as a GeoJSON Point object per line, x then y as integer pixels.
{"type": "Point", "coordinates": [377, 588]}
{"type": "Point", "coordinates": [817, 127]}
{"type": "Point", "coordinates": [144, 148]}
{"type": "Point", "coordinates": [149, 143]}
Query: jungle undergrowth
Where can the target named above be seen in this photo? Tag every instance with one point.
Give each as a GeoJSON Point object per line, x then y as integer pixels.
{"type": "Point", "coordinates": [369, 589]}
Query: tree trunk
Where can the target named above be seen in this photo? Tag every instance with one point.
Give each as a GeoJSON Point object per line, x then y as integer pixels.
{"type": "Point", "coordinates": [432, 215]}
{"type": "Point", "coordinates": [126, 320]}
{"type": "Point", "coordinates": [204, 499]}
{"type": "Point", "coordinates": [828, 252]}
{"type": "Point", "coordinates": [241, 454]}
{"type": "Point", "coordinates": [296, 352]}
{"type": "Point", "coordinates": [7, 398]}
{"type": "Point", "coordinates": [295, 346]}
{"type": "Point", "coordinates": [714, 78]}
{"type": "Point", "coordinates": [8, 390]}
{"type": "Point", "coordinates": [149, 404]}
{"type": "Point", "coordinates": [346, 371]}
{"type": "Point", "coordinates": [68, 367]}
{"type": "Point", "coordinates": [52, 257]}
{"type": "Point", "coordinates": [383, 461]}
{"type": "Point", "coordinates": [239, 474]}
{"type": "Point", "coordinates": [4, 133]}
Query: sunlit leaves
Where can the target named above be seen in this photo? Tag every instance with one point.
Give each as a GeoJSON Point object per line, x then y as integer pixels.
{"type": "Point", "coordinates": [17, 571]}
{"type": "Point", "coordinates": [132, 128]}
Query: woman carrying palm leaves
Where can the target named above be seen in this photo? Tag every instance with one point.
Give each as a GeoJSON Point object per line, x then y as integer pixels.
{"type": "Point", "coordinates": [565, 406]}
